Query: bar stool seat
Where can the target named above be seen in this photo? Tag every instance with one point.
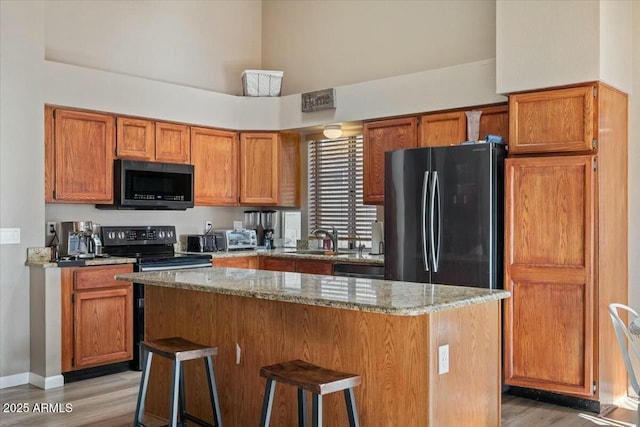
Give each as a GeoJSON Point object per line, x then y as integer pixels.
{"type": "Point", "coordinates": [312, 378]}
{"type": "Point", "coordinates": [178, 350]}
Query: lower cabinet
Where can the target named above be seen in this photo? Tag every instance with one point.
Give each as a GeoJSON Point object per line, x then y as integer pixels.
{"type": "Point", "coordinates": [237, 262]}
{"type": "Point", "coordinates": [274, 263]}
{"type": "Point", "coordinates": [97, 317]}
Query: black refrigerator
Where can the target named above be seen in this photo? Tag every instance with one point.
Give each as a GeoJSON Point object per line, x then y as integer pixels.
{"type": "Point", "coordinates": [443, 215]}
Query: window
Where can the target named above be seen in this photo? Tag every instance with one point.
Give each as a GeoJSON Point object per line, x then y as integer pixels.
{"type": "Point", "coordinates": [335, 189]}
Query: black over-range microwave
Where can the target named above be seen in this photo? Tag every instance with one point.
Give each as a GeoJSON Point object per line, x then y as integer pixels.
{"type": "Point", "coordinates": [151, 185]}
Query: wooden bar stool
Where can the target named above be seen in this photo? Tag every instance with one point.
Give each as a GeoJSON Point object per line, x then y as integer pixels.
{"type": "Point", "coordinates": [319, 381]}
{"type": "Point", "coordinates": [178, 349]}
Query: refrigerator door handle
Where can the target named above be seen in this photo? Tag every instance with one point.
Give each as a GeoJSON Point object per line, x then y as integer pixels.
{"type": "Point", "coordinates": [425, 184]}
{"type": "Point", "coordinates": [435, 189]}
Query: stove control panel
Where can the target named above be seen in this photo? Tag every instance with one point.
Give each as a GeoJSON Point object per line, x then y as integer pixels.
{"type": "Point", "coordinates": [149, 235]}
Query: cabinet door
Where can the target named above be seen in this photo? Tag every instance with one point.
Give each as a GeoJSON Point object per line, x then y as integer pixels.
{"type": "Point", "coordinates": [259, 168]}
{"type": "Point", "coordinates": [443, 129]}
{"type": "Point", "coordinates": [99, 277]}
{"type": "Point", "coordinates": [172, 143]}
{"type": "Point", "coordinates": [84, 149]}
{"type": "Point", "coordinates": [556, 120]}
{"type": "Point", "coordinates": [135, 138]}
{"type": "Point", "coordinates": [495, 121]}
{"type": "Point", "coordinates": [103, 323]}
{"type": "Point", "coordinates": [277, 264]}
{"type": "Point", "coordinates": [214, 155]}
{"type": "Point", "coordinates": [237, 262]}
{"type": "Point", "coordinates": [49, 155]}
{"type": "Point", "coordinates": [549, 270]}
{"type": "Point", "coordinates": [314, 266]}
{"type": "Point", "coordinates": [381, 136]}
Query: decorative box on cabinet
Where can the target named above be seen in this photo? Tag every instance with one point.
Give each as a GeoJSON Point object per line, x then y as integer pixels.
{"type": "Point", "coordinates": [79, 151]}
{"type": "Point", "coordinates": [97, 317]}
{"type": "Point", "coordinates": [566, 244]}
{"type": "Point", "coordinates": [214, 155]}
{"type": "Point", "coordinates": [381, 136]}
{"type": "Point", "coordinates": [270, 169]}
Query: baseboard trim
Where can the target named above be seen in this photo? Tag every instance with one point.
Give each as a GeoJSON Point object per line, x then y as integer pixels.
{"type": "Point", "coordinates": [14, 380]}
{"type": "Point", "coordinates": [46, 383]}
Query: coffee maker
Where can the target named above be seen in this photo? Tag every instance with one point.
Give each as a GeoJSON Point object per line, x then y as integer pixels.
{"type": "Point", "coordinates": [252, 222]}
{"type": "Point", "coordinates": [269, 223]}
{"type": "Point", "coordinates": [76, 239]}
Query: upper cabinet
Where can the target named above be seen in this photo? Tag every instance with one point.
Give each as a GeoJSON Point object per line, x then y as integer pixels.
{"type": "Point", "coordinates": [136, 138]}
{"type": "Point", "coordinates": [270, 169]}
{"type": "Point", "coordinates": [443, 129]}
{"type": "Point", "coordinates": [214, 155]}
{"type": "Point", "coordinates": [79, 152]}
{"type": "Point", "coordinates": [172, 143]}
{"type": "Point", "coordinates": [381, 136]}
{"type": "Point", "coordinates": [141, 139]}
{"type": "Point", "coordinates": [553, 121]}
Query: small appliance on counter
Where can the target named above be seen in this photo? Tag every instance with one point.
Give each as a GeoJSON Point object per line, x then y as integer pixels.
{"type": "Point", "coordinates": [233, 240]}
{"type": "Point", "coordinates": [269, 223]}
{"type": "Point", "coordinates": [252, 222]}
{"type": "Point", "coordinates": [201, 243]}
{"type": "Point", "coordinates": [377, 238]}
{"type": "Point", "coordinates": [78, 240]}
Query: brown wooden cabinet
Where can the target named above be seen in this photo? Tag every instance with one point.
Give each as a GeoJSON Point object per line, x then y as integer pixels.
{"type": "Point", "coordinates": [273, 263]}
{"type": "Point", "coordinates": [566, 255]}
{"type": "Point", "coordinates": [443, 129]}
{"type": "Point", "coordinates": [308, 266]}
{"type": "Point", "coordinates": [79, 152]}
{"type": "Point", "coordinates": [142, 139]}
{"type": "Point", "coordinates": [557, 120]}
{"type": "Point", "coordinates": [172, 143]}
{"type": "Point", "coordinates": [237, 262]}
{"type": "Point", "coordinates": [97, 316]}
{"type": "Point", "coordinates": [135, 139]}
{"type": "Point", "coordinates": [270, 169]}
{"type": "Point", "coordinates": [380, 136]}
{"type": "Point", "coordinates": [450, 128]}
{"type": "Point", "coordinates": [214, 155]}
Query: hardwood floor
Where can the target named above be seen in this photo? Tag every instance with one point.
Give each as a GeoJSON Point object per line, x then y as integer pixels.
{"type": "Point", "coordinates": [109, 401]}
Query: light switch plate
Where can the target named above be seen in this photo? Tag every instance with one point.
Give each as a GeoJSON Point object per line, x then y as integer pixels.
{"type": "Point", "coordinates": [9, 236]}
{"type": "Point", "coordinates": [443, 359]}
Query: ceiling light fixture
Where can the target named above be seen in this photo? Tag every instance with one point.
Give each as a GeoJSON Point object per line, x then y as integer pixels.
{"type": "Point", "coordinates": [332, 131]}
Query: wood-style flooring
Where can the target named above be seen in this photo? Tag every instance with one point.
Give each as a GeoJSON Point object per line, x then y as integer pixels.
{"type": "Point", "coordinates": [109, 401]}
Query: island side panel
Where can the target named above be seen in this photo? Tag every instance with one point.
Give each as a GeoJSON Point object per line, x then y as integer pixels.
{"type": "Point", "coordinates": [390, 352]}
{"type": "Point", "coordinates": [469, 394]}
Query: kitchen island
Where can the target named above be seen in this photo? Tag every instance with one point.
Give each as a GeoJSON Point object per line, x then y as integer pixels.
{"type": "Point", "coordinates": [388, 332]}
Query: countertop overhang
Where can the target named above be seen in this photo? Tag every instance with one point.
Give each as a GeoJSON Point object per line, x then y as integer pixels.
{"type": "Point", "coordinates": [360, 294]}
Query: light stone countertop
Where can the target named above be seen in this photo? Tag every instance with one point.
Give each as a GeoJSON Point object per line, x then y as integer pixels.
{"type": "Point", "coordinates": [377, 296]}
{"type": "Point", "coordinates": [41, 257]}
{"type": "Point", "coordinates": [349, 257]}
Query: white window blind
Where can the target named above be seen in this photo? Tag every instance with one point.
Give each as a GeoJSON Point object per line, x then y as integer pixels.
{"type": "Point", "coordinates": [335, 188]}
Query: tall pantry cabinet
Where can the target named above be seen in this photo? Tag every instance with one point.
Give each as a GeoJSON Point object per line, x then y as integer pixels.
{"type": "Point", "coordinates": [566, 241]}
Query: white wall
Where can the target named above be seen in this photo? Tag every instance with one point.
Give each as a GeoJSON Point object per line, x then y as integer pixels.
{"type": "Point", "coordinates": [198, 43]}
{"type": "Point", "coordinates": [322, 44]}
{"type": "Point", "coordinates": [550, 43]}
{"type": "Point", "coordinates": [21, 173]}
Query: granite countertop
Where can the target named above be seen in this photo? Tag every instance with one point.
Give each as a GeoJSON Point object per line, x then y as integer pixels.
{"type": "Point", "coordinates": [371, 295]}
{"type": "Point", "coordinates": [41, 257]}
{"type": "Point", "coordinates": [350, 257]}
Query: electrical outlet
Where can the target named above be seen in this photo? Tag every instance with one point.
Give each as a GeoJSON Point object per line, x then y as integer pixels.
{"type": "Point", "coordinates": [443, 359]}
{"type": "Point", "coordinates": [51, 228]}
{"type": "Point", "coordinates": [208, 225]}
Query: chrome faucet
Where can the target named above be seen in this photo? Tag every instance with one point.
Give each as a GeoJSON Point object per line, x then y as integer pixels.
{"type": "Point", "coordinates": [333, 235]}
